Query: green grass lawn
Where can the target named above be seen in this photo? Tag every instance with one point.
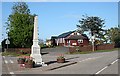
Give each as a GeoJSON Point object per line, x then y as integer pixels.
{"type": "Point", "coordinates": [13, 54]}
{"type": "Point", "coordinates": [9, 54]}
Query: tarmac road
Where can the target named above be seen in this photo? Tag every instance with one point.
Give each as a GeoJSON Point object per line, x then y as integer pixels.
{"type": "Point", "coordinates": [94, 63]}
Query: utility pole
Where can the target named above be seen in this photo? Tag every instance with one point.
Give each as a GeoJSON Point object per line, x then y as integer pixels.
{"type": "Point", "coordinates": [93, 45]}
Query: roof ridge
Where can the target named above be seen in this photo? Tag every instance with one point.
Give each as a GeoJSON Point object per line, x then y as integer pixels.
{"type": "Point", "coordinates": [65, 34]}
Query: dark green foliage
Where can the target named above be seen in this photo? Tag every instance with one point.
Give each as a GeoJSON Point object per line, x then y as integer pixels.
{"type": "Point", "coordinates": [20, 25]}
{"type": "Point", "coordinates": [11, 45]}
{"type": "Point", "coordinates": [91, 23]}
{"type": "Point", "coordinates": [21, 29]}
{"type": "Point", "coordinates": [113, 34]}
{"type": "Point", "coordinates": [116, 36]}
{"type": "Point", "coordinates": [117, 41]}
{"type": "Point", "coordinates": [21, 8]}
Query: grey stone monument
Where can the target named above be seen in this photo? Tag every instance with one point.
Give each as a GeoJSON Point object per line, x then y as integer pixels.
{"type": "Point", "coordinates": [35, 49]}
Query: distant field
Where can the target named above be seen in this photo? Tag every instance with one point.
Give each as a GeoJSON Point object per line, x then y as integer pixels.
{"type": "Point", "coordinates": [0, 46]}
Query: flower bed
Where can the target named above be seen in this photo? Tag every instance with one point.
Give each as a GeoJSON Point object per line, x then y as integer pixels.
{"type": "Point", "coordinates": [27, 60]}
{"type": "Point", "coordinates": [21, 60]}
{"type": "Point", "coordinates": [61, 58]}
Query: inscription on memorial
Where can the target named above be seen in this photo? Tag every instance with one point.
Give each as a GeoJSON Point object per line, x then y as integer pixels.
{"type": "Point", "coordinates": [36, 50]}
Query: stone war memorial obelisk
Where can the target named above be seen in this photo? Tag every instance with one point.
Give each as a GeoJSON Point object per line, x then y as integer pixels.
{"type": "Point", "coordinates": [35, 49]}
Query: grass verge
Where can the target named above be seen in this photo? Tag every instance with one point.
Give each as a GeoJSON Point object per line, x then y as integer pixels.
{"type": "Point", "coordinates": [9, 54]}
{"type": "Point", "coordinates": [115, 49]}
{"type": "Point", "coordinates": [13, 54]}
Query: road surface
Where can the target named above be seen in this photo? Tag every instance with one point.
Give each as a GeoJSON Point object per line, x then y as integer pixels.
{"type": "Point", "coordinates": [94, 63]}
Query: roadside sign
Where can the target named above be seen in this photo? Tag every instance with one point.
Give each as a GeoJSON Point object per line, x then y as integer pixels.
{"type": "Point", "coordinates": [7, 42]}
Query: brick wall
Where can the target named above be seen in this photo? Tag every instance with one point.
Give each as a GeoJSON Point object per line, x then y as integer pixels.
{"type": "Point", "coordinates": [17, 50]}
{"type": "Point", "coordinates": [89, 48]}
{"type": "Point", "coordinates": [105, 47]}
{"type": "Point", "coordinates": [86, 42]}
{"type": "Point", "coordinates": [61, 44]}
{"type": "Point", "coordinates": [84, 48]}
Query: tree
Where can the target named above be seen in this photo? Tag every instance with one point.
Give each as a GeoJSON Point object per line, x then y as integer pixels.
{"type": "Point", "coordinates": [113, 34]}
{"type": "Point", "coordinates": [117, 41]}
{"type": "Point", "coordinates": [91, 23]}
{"type": "Point", "coordinates": [103, 36]}
{"type": "Point", "coordinates": [20, 25]}
{"type": "Point", "coordinates": [21, 8]}
{"type": "Point", "coordinates": [79, 30]}
{"type": "Point", "coordinates": [40, 41]}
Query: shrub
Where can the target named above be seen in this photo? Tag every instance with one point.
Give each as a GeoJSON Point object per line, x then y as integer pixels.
{"type": "Point", "coordinates": [117, 42]}
{"type": "Point", "coordinates": [61, 56]}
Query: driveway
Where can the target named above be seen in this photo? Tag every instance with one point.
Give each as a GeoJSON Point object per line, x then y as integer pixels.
{"type": "Point", "coordinates": [55, 51]}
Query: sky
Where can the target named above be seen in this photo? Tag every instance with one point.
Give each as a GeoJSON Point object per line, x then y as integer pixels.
{"type": "Point", "coordinates": [55, 18]}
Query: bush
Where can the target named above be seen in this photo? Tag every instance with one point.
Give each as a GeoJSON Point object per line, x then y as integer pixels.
{"type": "Point", "coordinates": [43, 46]}
{"type": "Point", "coordinates": [117, 42]}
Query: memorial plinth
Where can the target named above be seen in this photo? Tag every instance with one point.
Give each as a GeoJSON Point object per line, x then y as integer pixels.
{"type": "Point", "coordinates": [35, 49]}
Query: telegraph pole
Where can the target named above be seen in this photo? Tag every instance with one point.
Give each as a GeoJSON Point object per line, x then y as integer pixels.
{"type": "Point", "coordinates": [93, 45]}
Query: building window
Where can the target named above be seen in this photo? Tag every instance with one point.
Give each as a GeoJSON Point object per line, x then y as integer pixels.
{"type": "Point", "coordinates": [75, 33]}
{"type": "Point", "coordinates": [72, 34]}
{"type": "Point", "coordinates": [74, 44]}
{"type": "Point", "coordinates": [80, 40]}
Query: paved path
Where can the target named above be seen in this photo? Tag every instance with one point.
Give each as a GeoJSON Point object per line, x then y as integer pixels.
{"type": "Point", "coordinates": [94, 63]}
